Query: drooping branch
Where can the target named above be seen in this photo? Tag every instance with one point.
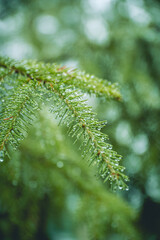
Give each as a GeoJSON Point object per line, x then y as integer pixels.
{"type": "Point", "coordinates": [82, 122]}
{"type": "Point", "coordinates": [62, 88]}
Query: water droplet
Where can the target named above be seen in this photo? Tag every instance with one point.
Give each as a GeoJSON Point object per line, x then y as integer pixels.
{"type": "Point", "coordinates": [122, 170]}
{"type": "Point", "coordinates": [103, 175]}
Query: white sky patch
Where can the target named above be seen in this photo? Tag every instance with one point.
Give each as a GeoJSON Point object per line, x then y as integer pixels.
{"type": "Point", "coordinates": [11, 25]}
{"type": "Point", "coordinates": [96, 30]}
{"type": "Point", "coordinates": [134, 163]}
{"type": "Point", "coordinates": [112, 113]}
{"type": "Point", "coordinates": [140, 144]}
{"type": "Point", "coordinates": [153, 183]}
{"type": "Point", "coordinates": [138, 14]}
{"type": "Point", "coordinates": [60, 164]}
{"type": "Point", "coordinates": [124, 133]}
{"type": "Point", "coordinates": [46, 24]}
{"type": "Point", "coordinates": [100, 5]}
{"type": "Point", "coordinates": [17, 49]}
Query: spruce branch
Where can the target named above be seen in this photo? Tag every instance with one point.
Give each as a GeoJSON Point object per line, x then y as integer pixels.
{"type": "Point", "coordinates": [48, 72]}
{"type": "Point", "coordinates": [82, 122]}
{"type": "Point", "coordinates": [17, 113]}
{"type": "Point", "coordinates": [61, 87]}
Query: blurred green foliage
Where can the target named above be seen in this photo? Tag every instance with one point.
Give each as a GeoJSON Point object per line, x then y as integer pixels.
{"type": "Point", "coordinates": [115, 40]}
{"type": "Point", "coordinates": [48, 191]}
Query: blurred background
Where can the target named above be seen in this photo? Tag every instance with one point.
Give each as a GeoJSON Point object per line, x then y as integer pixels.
{"type": "Point", "coordinates": [115, 40]}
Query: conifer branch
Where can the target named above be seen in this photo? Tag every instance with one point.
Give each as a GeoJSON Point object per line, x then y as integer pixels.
{"type": "Point", "coordinates": [82, 122]}
{"type": "Point", "coordinates": [17, 113]}
{"type": "Point", "coordinates": [70, 77]}
{"type": "Point", "coordinates": [62, 87]}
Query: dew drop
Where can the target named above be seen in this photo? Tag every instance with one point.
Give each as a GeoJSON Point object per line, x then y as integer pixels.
{"type": "Point", "coordinates": [103, 175]}
{"type": "Point", "coordinates": [122, 170]}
